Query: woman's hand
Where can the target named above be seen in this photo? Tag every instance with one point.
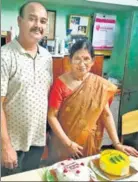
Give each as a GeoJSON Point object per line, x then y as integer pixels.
{"type": "Point", "coordinates": [127, 149]}
{"type": "Point", "coordinates": [75, 150]}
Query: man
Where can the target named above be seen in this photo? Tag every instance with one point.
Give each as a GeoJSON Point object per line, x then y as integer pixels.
{"type": "Point", "coordinates": [26, 76]}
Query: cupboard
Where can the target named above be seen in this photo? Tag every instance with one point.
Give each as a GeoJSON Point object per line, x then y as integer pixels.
{"type": "Point", "coordinates": [5, 37]}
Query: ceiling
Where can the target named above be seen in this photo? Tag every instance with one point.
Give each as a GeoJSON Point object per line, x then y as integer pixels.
{"type": "Point", "coordinates": [121, 2]}
{"type": "Point", "coordinates": [88, 4]}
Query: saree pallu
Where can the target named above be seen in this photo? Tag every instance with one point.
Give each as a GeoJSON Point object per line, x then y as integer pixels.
{"type": "Point", "coordinates": [81, 117]}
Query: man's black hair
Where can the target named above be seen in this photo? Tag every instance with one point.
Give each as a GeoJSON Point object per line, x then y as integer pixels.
{"type": "Point", "coordinates": [21, 9]}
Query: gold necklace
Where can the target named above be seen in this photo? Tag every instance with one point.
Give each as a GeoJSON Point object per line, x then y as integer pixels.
{"type": "Point", "coordinates": [77, 79]}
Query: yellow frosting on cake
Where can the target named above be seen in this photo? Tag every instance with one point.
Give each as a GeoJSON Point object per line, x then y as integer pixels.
{"type": "Point", "coordinates": [114, 162]}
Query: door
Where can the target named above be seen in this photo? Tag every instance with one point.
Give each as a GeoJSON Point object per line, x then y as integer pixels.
{"type": "Point", "coordinates": [129, 97]}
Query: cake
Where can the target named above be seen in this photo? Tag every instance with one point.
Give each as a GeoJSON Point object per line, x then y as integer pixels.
{"type": "Point", "coordinates": [72, 170]}
{"type": "Point", "coordinates": [114, 162]}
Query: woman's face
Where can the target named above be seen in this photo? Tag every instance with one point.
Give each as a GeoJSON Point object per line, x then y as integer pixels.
{"type": "Point", "coordinates": [81, 62]}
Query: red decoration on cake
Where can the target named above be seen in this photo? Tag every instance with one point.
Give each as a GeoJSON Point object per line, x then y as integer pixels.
{"type": "Point", "coordinates": [77, 171]}
{"type": "Point", "coordinates": [82, 163]}
{"type": "Point", "coordinates": [62, 163]}
{"type": "Point", "coordinates": [65, 171]}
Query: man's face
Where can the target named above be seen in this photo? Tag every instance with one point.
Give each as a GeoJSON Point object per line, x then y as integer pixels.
{"type": "Point", "coordinates": [33, 23]}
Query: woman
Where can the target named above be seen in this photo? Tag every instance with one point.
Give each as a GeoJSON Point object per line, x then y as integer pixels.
{"type": "Point", "coordinates": [79, 110]}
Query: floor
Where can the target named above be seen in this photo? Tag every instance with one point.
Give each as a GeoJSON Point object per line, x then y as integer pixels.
{"type": "Point", "coordinates": [131, 139]}
{"type": "Point", "coordinates": [115, 111]}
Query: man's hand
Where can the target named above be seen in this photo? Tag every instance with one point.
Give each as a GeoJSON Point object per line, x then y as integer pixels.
{"type": "Point", "coordinates": [9, 157]}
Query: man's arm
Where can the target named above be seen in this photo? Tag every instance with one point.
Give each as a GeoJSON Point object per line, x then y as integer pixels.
{"type": "Point", "coordinates": [5, 139]}
{"type": "Point", "coordinates": [9, 155]}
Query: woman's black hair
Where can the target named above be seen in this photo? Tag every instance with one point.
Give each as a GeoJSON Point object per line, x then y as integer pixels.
{"type": "Point", "coordinates": [82, 44]}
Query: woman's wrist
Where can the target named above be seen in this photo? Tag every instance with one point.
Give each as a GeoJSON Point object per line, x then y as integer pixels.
{"type": "Point", "coordinates": [71, 143]}
{"type": "Point", "coordinates": [68, 143]}
{"type": "Point", "coordinates": [116, 144]}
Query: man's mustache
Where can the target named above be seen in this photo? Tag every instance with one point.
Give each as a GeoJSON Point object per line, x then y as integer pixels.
{"type": "Point", "coordinates": [36, 29]}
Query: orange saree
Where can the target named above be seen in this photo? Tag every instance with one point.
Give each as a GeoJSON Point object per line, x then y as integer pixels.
{"type": "Point", "coordinates": [80, 116]}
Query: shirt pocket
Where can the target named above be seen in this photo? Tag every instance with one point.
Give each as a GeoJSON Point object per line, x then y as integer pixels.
{"type": "Point", "coordinates": [26, 75]}
{"type": "Point", "coordinates": [44, 77]}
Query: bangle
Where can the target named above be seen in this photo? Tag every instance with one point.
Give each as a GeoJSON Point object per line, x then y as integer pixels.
{"type": "Point", "coordinates": [70, 144]}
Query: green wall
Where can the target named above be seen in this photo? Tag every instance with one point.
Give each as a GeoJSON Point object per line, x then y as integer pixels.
{"type": "Point", "coordinates": [114, 66]}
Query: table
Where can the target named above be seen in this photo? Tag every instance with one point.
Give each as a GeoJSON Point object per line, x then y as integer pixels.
{"type": "Point", "coordinates": [36, 175]}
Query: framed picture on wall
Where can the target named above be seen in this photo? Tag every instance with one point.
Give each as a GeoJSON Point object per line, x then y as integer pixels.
{"type": "Point", "coordinates": [79, 24]}
{"type": "Point", "coordinates": [51, 25]}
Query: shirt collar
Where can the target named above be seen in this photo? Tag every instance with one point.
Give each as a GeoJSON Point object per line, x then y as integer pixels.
{"type": "Point", "coordinates": [22, 50]}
